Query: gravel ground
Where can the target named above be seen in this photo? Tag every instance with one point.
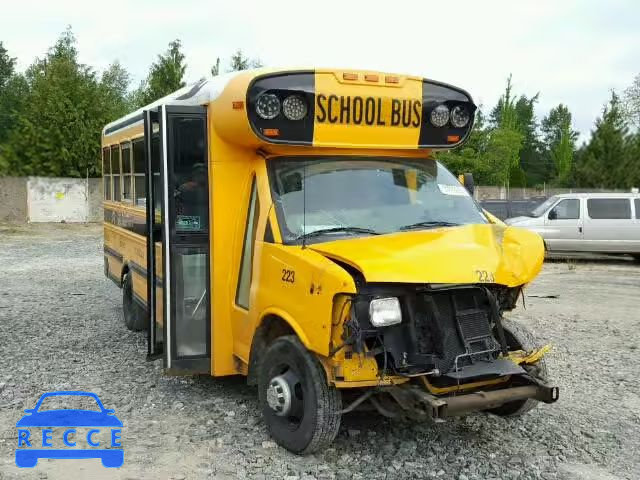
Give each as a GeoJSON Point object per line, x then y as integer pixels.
{"type": "Point", "coordinates": [61, 328]}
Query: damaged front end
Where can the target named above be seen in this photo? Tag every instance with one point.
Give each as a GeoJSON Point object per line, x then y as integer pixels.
{"type": "Point", "coordinates": [440, 350]}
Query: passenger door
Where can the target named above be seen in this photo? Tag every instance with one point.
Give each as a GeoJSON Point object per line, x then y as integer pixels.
{"type": "Point", "coordinates": [609, 226]}
{"type": "Point", "coordinates": [564, 226]}
{"type": "Point", "coordinates": [182, 191]}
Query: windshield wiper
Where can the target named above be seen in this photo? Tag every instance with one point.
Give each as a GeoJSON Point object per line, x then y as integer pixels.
{"type": "Point", "coordinates": [428, 224]}
{"type": "Point", "coordinates": [322, 231]}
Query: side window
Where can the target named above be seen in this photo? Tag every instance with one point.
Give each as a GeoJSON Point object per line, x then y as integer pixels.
{"type": "Point", "coordinates": [637, 205]}
{"type": "Point", "coordinates": [115, 171]}
{"type": "Point", "coordinates": [609, 208]}
{"type": "Point", "coordinates": [568, 209]}
{"type": "Point", "coordinates": [138, 173]}
{"type": "Point", "coordinates": [246, 263]}
{"type": "Point", "coordinates": [127, 189]}
{"type": "Point", "coordinates": [106, 173]}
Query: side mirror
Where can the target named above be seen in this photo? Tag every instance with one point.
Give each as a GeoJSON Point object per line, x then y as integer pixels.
{"type": "Point", "coordinates": [553, 215]}
{"type": "Point", "coordinates": [466, 179]}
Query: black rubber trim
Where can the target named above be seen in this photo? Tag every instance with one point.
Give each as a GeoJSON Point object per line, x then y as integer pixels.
{"type": "Point", "coordinates": [115, 254]}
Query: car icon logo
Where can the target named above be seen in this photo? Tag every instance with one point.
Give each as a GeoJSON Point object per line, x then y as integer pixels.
{"type": "Point", "coordinates": [97, 423]}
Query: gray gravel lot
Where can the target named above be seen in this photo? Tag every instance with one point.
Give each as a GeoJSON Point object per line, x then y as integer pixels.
{"type": "Point", "coordinates": [61, 328]}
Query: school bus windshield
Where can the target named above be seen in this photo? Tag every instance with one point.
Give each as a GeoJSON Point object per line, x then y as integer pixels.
{"type": "Point", "coordinates": [323, 199]}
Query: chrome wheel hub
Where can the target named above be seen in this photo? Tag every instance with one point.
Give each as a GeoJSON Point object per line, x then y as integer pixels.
{"type": "Point", "coordinates": [279, 396]}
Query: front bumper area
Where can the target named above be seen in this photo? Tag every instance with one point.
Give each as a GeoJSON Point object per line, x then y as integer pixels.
{"type": "Point", "coordinates": [412, 401]}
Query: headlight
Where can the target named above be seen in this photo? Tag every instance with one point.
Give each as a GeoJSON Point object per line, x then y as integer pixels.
{"type": "Point", "coordinates": [460, 116]}
{"type": "Point", "coordinates": [440, 116]}
{"type": "Point", "coordinates": [385, 311]}
{"type": "Point", "coordinates": [294, 107]}
{"type": "Point", "coordinates": [268, 106]}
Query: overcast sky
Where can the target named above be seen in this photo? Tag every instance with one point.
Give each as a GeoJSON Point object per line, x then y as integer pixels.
{"type": "Point", "coordinates": [571, 51]}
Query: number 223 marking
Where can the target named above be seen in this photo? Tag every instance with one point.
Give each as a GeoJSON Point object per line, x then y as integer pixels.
{"type": "Point", "coordinates": [288, 276]}
{"type": "Point", "coordinates": [485, 277]}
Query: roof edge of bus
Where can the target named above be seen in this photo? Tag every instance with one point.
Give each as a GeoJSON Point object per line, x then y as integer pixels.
{"type": "Point", "coordinates": [200, 92]}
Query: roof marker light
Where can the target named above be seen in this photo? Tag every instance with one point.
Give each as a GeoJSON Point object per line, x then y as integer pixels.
{"type": "Point", "coordinates": [350, 76]}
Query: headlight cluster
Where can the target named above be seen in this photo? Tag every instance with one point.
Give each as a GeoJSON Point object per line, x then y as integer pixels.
{"type": "Point", "coordinates": [293, 107]}
{"type": "Point", "coordinates": [459, 116]}
{"type": "Point", "coordinates": [385, 311]}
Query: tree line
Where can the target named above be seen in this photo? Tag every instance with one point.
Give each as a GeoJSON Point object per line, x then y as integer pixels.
{"type": "Point", "coordinates": [52, 114]}
{"type": "Point", "coordinates": [509, 146]}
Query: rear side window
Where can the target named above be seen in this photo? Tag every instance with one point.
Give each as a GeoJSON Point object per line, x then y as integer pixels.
{"type": "Point", "coordinates": [609, 208]}
{"type": "Point", "coordinates": [568, 209]}
{"type": "Point", "coordinates": [637, 203]}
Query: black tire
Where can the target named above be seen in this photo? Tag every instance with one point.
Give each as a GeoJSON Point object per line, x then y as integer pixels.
{"type": "Point", "coordinates": [134, 315]}
{"type": "Point", "coordinates": [313, 420]}
{"type": "Point", "coordinates": [519, 337]}
{"type": "Point", "coordinates": [636, 257]}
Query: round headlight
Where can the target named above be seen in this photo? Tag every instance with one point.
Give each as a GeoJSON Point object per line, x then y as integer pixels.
{"type": "Point", "coordinates": [294, 107]}
{"type": "Point", "coordinates": [440, 116]}
{"type": "Point", "coordinates": [460, 116]}
{"type": "Point", "coordinates": [268, 106]}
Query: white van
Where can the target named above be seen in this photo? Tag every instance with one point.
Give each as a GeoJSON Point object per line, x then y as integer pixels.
{"type": "Point", "coordinates": [587, 222]}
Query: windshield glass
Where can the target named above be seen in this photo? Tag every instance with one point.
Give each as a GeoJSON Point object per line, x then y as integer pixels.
{"type": "Point", "coordinates": [356, 196]}
{"type": "Point", "coordinates": [543, 207]}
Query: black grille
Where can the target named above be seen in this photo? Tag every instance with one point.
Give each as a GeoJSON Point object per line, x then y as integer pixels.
{"type": "Point", "coordinates": [474, 325]}
{"type": "Point", "coordinates": [453, 323]}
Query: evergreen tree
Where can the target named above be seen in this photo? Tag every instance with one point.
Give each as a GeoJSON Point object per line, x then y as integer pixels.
{"type": "Point", "coordinates": [58, 129]}
{"type": "Point", "coordinates": [166, 75]}
{"type": "Point", "coordinates": [12, 91]}
{"type": "Point", "coordinates": [240, 62]}
{"type": "Point", "coordinates": [559, 141]}
{"type": "Point", "coordinates": [632, 102]}
{"type": "Point", "coordinates": [505, 141]}
{"type": "Point", "coordinates": [603, 161]}
{"type": "Point", "coordinates": [215, 69]}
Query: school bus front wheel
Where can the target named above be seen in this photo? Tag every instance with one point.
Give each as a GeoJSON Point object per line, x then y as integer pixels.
{"type": "Point", "coordinates": [299, 407]}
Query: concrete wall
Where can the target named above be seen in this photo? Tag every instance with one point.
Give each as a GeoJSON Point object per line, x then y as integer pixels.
{"type": "Point", "coordinates": [13, 199]}
{"type": "Point", "coordinates": [44, 199]}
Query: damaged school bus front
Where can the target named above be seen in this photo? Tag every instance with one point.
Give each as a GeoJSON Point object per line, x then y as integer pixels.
{"type": "Point", "coordinates": [419, 279]}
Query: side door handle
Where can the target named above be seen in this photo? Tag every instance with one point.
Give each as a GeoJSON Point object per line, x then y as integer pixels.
{"type": "Point", "coordinates": [579, 229]}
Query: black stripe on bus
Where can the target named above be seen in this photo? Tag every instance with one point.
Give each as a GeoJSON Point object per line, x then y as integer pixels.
{"type": "Point", "coordinates": [122, 124]}
{"type": "Point", "coordinates": [134, 223]}
{"type": "Point", "coordinates": [113, 253]}
{"type": "Point", "coordinates": [140, 270]}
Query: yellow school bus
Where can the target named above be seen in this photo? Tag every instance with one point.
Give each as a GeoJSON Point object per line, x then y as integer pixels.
{"type": "Point", "coordinates": [293, 226]}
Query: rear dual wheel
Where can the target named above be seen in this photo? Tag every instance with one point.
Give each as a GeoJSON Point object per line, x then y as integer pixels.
{"type": "Point", "coordinates": [299, 407]}
{"type": "Point", "coordinates": [135, 318]}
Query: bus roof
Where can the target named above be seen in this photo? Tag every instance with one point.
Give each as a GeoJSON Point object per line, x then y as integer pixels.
{"type": "Point", "coordinates": [197, 93]}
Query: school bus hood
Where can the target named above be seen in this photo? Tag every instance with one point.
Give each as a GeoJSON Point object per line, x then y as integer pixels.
{"type": "Point", "coordinates": [467, 254]}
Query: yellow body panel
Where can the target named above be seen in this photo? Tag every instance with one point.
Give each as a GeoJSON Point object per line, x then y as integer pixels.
{"type": "Point", "coordinates": [467, 254]}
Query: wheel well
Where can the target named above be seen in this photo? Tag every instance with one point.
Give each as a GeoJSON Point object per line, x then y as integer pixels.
{"type": "Point", "coordinates": [271, 327]}
{"type": "Point", "coordinates": [125, 270]}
